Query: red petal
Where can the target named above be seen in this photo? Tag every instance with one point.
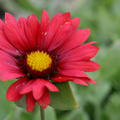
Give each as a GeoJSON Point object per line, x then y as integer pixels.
{"type": "Point", "coordinates": [13, 93]}
{"type": "Point", "coordinates": [30, 101]}
{"type": "Point", "coordinates": [23, 34]}
{"type": "Point", "coordinates": [43, 29]}
{"type": "Point", "coordinates": [76, 40]}
{"type": "Point", "coordinates": [67, 16]}
{"type": "Point", "coordinates": [38, 92]}
{"type": "Point", "coordinates": [51, 87]}
{"type": "Point", "coordinates": [38, 89]}
{"type": "Point", "coordinates": [75, 22]}
{"type": "Point", "coordinates": [84, 52]}
{"type": "Point", "coordinates": [52, 29]}
{"type": "Point", "coordinates": [78, 80]}
{"type": "Point", "coordinates": [9, 75]}
{"type": "Point", "coordinates": [87, 66]}
{"type": "Point", "coordinates": [4, 44]}
{"type": "Point", "coordinates": [47, 84]}
{"type": "Point", "coordinates": [31, 30]}
{"type": "Point", "coordinates": [27, 88]}
{"type": "Point", "coordinates": [72, 72]}
{"type": "Point", "coordinates": [45, 99]}
{"type": "Point", "coordinates": [61, 36]}
{"type": "Point", "coordinates": [44, 18]}
{"type": "Point", "coordinates": [83, 80]}
{"type": "Point", "coordinates": [13, 35]}
{"type": "Point", "coordinates": [10, 18]}
{"type": "Point", "coordinates": [89, 80]}
{"type": "Point", "coordinates": [61, 78]}
{"type": "Point", "coordinates": [8, 67]}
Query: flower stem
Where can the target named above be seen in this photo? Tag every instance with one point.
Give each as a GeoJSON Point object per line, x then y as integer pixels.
{"type": "Point", "coordinates": [42, 113]}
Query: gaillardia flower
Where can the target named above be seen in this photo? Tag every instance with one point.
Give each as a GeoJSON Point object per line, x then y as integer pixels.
{"type": "Point", "coordinates": [39, 53]}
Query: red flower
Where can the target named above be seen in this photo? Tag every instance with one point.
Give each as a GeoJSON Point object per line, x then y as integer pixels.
{"type": "Point", "coordinates": [38, 54]}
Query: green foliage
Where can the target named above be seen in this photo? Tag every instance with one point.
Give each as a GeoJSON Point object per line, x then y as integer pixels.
{"type": "Point", "coordinates": [64, 99]}
{"type": "Point", "coordinates": [112, 109]}
{"type": "Point", "coordinates": [25, 4]}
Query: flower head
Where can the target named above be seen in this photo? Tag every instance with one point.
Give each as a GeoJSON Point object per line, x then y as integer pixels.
{"type": "Point", "coordinates": [39, 53]}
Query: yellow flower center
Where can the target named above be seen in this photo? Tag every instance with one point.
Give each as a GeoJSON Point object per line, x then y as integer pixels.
{"type": "Point", "coordinates": [39, 60]}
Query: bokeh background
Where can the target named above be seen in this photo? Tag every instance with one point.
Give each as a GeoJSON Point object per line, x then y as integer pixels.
{"type": "Point", "coordinates": [97, 102]}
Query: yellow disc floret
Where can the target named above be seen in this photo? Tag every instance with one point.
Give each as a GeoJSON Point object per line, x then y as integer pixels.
{"type": "Point", "coordinates": [39, 60]}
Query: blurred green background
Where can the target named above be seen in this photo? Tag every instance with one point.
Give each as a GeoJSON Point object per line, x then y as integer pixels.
{"type": "Point", "coordinates": [98, 102]}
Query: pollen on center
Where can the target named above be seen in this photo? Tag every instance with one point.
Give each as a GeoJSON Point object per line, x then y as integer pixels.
{"type": "Point", "coordinates": [39, 60]}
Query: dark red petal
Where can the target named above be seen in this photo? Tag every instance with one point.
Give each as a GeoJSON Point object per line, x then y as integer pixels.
{"type": "Point", "coordinates": [30, 102]}
{"type": "Point", "coordinates": [13, 93]}
{"type": "Point", "coordinates": [45, 99]}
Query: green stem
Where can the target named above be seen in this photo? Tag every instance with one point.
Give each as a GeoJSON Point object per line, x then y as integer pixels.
{"type": "Point", "coordinates": [42, 114]}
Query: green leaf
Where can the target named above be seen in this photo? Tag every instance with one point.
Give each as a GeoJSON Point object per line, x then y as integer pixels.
{"type": "Point", "coordinates": [21, 103]}
{"type": "Point", "coordinates": [64, 99]}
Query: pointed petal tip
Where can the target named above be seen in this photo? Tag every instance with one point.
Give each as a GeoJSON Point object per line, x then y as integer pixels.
{"type": "Point", "coordinates": [88, 31]}
{"type": "Point", "coordinates": [75, 22]}
{"type": "Point", "coordinates": [10, 17]}
{"type": "Point", "coordinates": [32, 16]}
{"type": "Point", "coordinates": [7, 14]}
{"type": "Point", "coordinates": [81, 82]}
{"type": "Point", "coordinates": [44, 12]}
{"type": "Point", "coordinates": [92, 81]}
